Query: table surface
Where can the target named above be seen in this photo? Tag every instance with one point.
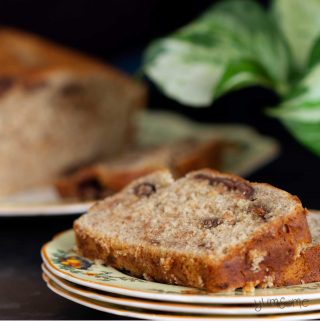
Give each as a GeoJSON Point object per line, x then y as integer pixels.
{"type": "Point", "coordinates": [23, 293]}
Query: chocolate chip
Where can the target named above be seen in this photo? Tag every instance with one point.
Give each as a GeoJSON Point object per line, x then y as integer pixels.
{"type": "Point", "coordinates": [231, 184]}
{"type": "Point", "coordinates": [5, 84]}
{"type": "Point", "coordinates": [144, 189]}
{"type": "Point", "coordinates": [71, 89]}
{"type": "Point", "coordinates": [211, 222]}
{"type": "Point", "coordinates": [260, 211]}
{"type": "Point", "coordinates": [206, 246]}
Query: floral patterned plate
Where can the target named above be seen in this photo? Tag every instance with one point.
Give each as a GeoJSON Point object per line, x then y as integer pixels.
{"type": "Point", "coordinates": [61, 259]}
{"type": "Point", "coordinates": [250, 151]}
{"type": "Point", "coordinates": [152, 315]}
{"type": "Point", "coordinates": [258, 308]}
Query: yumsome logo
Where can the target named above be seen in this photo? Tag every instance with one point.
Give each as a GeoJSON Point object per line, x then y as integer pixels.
{"type": "Point", "coordinates": [280, 303]}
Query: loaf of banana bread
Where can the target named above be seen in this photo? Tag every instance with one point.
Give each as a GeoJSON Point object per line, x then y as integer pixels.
{"type": "Point", "coordinates": [58, 109]}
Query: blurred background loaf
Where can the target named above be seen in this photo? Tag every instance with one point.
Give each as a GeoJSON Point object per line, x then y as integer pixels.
{"type": "Point", "coordinates": [58, 110]}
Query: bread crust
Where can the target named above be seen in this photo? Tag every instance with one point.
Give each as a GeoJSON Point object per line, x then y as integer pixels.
{"type": "Point", "coordinates": [207, 153]}
{"type": "Point", "coordinates": [31, 56]}
{"type": "Point", "coordinates": [109, 180]}
{"type": "Point", "coordinates": [305, 268]}
{"type": "Point", "coordinates": [279, 243]}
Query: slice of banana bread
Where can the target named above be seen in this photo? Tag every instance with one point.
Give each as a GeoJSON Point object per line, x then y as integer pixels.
{"type": "Point", "coordinates": [306, 267]}
{"type": "Point", "coordinates": [58, 109]}
{"type": "Point", "coordinates": [100, 180]}
{"type": "Point", "coordinates": [207, 230]}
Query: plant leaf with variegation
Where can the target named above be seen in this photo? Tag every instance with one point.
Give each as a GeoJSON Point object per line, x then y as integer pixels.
{"type": "Point", "coordinates": [300, 113]}
{"type": "Point", "coordinates": [299, 21]}
{"type": "Point", "coordinates": [191, 63]}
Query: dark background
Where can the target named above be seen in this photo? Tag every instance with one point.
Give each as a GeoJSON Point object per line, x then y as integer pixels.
{"type": "Point", "coordinates": [117, 31]}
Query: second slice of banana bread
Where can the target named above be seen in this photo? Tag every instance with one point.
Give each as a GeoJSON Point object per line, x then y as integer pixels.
{"type": "Point", "coordinates": [104, 179]}
{"type": "Point", "coordinates": [306, 267]}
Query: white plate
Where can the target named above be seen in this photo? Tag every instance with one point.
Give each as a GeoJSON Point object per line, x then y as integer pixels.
{"type": "Point", "coordinates": [15, 210]}
{"type": "Point", "coordinates": [152, 315]}
{"type": "Point", "coordinates": [259, 308]}
{"type": "Point", "coordinates": [62, 261]}
{"type": "Point", "coordinates": [155, 128]}
{"type": "Point", "coordinates": [40, 201]}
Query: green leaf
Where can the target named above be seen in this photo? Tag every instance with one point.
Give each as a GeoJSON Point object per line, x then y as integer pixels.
{"type": "Point", "coordinates": [300, 112]}
{"type": "Point", "coordinates": [305, 132]}
{"type": "Point", "coordinates": [185, 72]}
{"type": "Point", "coordinates": [241, 73]}
{"type": "Point", "coordinates": [299, 21]}
{"type": "Point", "coordinates": [234, 44]}
{"type": "Point", "coordinates": [315, 54]}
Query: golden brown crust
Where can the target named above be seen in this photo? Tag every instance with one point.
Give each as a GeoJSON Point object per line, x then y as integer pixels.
{"type": "Point", "coordinates": [304, 269]}
{"type": "Point", "coordinates": [29, 55]}
{"type": "Point", "coordinates": [276, 246]}
{"type": "Point", "coordinates": [306, 266]}
{"type": "Point", "coordinates": [29, 60]}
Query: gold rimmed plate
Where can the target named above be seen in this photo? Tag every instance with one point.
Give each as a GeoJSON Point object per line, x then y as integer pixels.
{"type": "Point", "coordinates": [254, 309]}
{"type": "Point", "coordinates": [62, 260]}
{"type": "Point", "coordinates": [153, 315]}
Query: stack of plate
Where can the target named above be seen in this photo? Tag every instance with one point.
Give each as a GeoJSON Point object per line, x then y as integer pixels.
{"type": "Point", "coordinates": [106, 289]}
